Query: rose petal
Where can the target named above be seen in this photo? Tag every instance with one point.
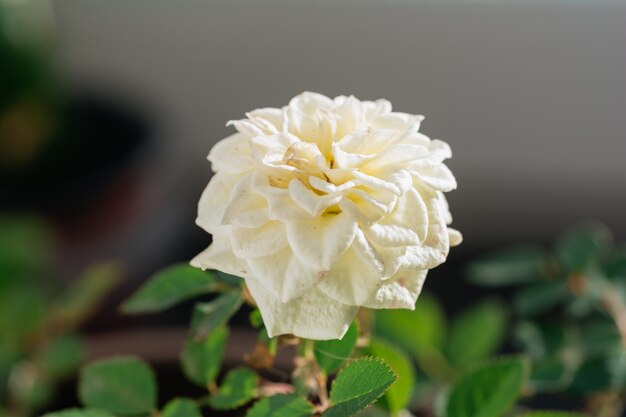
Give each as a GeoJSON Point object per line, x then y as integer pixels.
{"type": "Point", "coordinates": [312, 316]}
{"type": "Point", "coordinates": [219, 255]}
{"type": "Point", "coordinates": [400, 291]}
{"type": "Point", "coordinates": [260, 241]}
{"type": "Point", "coordinates": [320, 242]}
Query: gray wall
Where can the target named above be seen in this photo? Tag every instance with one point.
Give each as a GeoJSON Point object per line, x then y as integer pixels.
{"type": "Point", "coordinates": [531, 96]}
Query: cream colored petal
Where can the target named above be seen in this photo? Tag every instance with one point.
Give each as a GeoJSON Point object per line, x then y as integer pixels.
{"type": "Point", "coordinates": [264, 147]}
{"type": "Point", "coordinates": [246, 128]}
{"type": "Point", "coordinates": [392, 235]}
{"type": "Point", "coordinates": [438, 177]}
{"type": "Point", "coordinates": [435, 248]}
{"type": "Point", "coordinates": [376, 183]}
{"type": "Point", "coordinates": [281, 207]}
{"type": "Point", "coordinates": [257, 242]}
{"type": "Point", "coordinates": [245, 208]}
{"type": "Point", "coordinates": [397, 122]}
{"type": "Point", "coordinates": [231, 155]}
{"type": "Point", "coordinates": [351, 281]}
{"type": "Point", "coordinates": [283, 274]}
{"type": "Point", "coordinates": [400, 291]}
{"type": "Point", "coordinates": [312, 316]}
{"type": "Point", "coordinates": [311, 202]}
{"type": "Point", "coordinates": [309, 102]}
{"type": "Point", "coordinates": [395, 157]}
{"type": "Point", "coordinates": [270, 115]}
{"type": "Point", "coordinates": [410, 211]}
{"type": "Point", "coordinates": [214, 199]}
{"type": "Point", "coordinates": [219, 255]}
{"type": "Point", "coordinates": [320, 242]}
{"type": "Point", "coordinates": [347, 160]}
{"type": "Point", "coordinates": [456, 238]}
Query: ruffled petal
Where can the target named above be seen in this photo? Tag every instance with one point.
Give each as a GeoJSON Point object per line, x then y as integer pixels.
{"type": "Point", "coordinates": [260, 241]}
{"type": "Point", "coordinates": [351, 281]}
{"type": "Point", "coordinates": [284, 274]}
{"type": "Point", "coordinates": [214, 199]}
{"type": "Point", "coordinates": [438, 177]}
{"type": "Point", "coordinates": [400, 291]}
{"type": "Point", "coordinates": [320, 242]}
{"type": "Point", "coordinates": [314, 315]}
{"type": "Point", "coordinates": [219, 255]}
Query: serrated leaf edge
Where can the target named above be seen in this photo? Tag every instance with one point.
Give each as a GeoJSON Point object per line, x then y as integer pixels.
{"type": "Point", "coordinates": [370, 359]}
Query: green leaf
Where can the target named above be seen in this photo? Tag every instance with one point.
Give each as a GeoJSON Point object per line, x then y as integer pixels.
{"type": "Point", "coordinates": [489, 390]}
{"type": "Point", "coordinates": [208, 316]}
{"type": "Point", "coordinates": [582, 245]}
{"type": "Point", "coordinates": [550, 374]}
{"type": "Point", "coordinates": [538, 298]}
{"type": "Point", "coordinates": [122, 385]}
{"type": "Point", "coordinates": [331, 354]}
{"type": "Point", "coordinates": [281, 406]}
{"type": "Point", "coordinates": [615, 266]}
{"type": "Point", "coordinates": [22, 312]}
{"type": "Point", "coordinates": [239, 387]}
{"type": "Point", "coordinates": [181, 407]}
{"type": "Point", "coordinates": [358, 385]}
{"type": "Point", "coordinates": [79, 412]}
{"type": "Point", "coordinates": [511, 266]}
{"type": "Point", "coordinates": [552, 414]}
{"type": "Point", "coordinates": [415, 331]}
{"type": "Point", "coordinates": [593, 375]}
{"type": "Point", "coordinates": [476, 333]}
{"type": "Point", "coordinates": [398, 396]}
{"type": "Point", "coordinates": [30, 387]}
{"type": "Point", "coordinates": [228, 279]}
{"type": "Point", "coordinates": [26, 248]}
{"type": "Point", "coordinates": [169, 287]}
{"type": "Point", "coordinates": [83, 298]}
{"type": "Point", "coordinates": [201, 359]}
{"type": "Point", "coordinates": [62, 356]}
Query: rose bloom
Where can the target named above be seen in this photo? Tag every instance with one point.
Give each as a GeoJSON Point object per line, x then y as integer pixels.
{"type": "Point", "coordinates": [324, 206]}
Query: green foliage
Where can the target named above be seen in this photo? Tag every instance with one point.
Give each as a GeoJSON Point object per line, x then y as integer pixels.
{"type": "Point", "coordinates": [83, 297]}
{"type": "Point", "coordinates": [398, 396]}
{"type": "Point", "coordinates": [201, 359]}
{"type": "Point", "coordinates": [238, 388]}
{"type": "Point", "coordinates": [489, 390]}
{"type": "Point", "coordinates": [538, 298]}
{"type": "Point", "coordinates": [418, 331]}
{"type": "Point", "coordinates": [517, 265]}
{"type": "Point", "coordinates": [285, 405]}
{"type": "Point", "coordinates": [331, 354]}
{"type": "Point", "coordinates": [476, 333]}
{"type": "Point", "coordinates": [26, 248]}
{"type": "Point", "coordinates": [169, 287]}
{"type": "Point", "coordinates": [62, 356]}
{"type": "Point", "coordinates": [582, 245]}
{"type": "Point", "coordinates": [181, 407]}
{"type": "Point", "coordinates": [551, 414]}
{"type": "Point", "coordinates": [209, 316]}
{"type": "Point", "coordinates": [122, 385]}
{"type": "Point", "coordinates": [79, 412]}
{"type": "Point", "coordinates": [358, 385]}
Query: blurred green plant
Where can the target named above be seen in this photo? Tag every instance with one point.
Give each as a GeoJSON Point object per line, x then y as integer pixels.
{"type": "Point", "coordinates": [389, 363]}
{"type": "Point", "coordinates": [569, 307]}
{"type": "Point", "coordinates": [38, 322]}
{"type": "Point", "coordinates": [30, 100]}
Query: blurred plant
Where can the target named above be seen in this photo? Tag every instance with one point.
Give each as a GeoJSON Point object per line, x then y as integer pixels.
{"type": "Point", "coordinates": [398, 360]}
{"type": "Point", "coordinates": [29, 93]}
{"type": "Point", "coordinates": [38, 323]}
{"type": "Point", "coordinates": [569, 306]}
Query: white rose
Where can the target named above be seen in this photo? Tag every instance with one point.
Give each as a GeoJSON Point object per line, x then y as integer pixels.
{"type": "Point", "coordinates": [324, 206]}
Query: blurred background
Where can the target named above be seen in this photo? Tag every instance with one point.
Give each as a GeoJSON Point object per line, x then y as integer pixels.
{"type": "Point", "coordinates": [108, 109]}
